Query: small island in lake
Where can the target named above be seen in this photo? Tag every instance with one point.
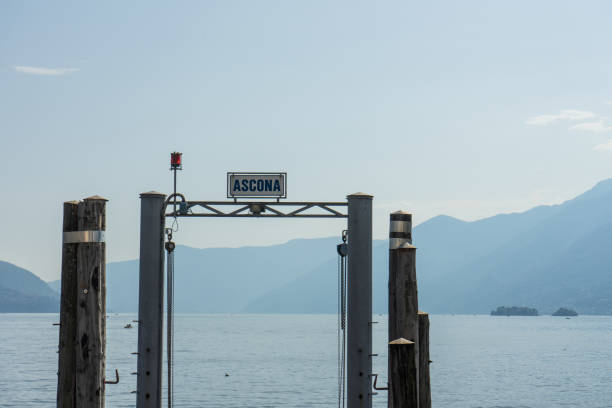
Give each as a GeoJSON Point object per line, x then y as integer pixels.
{"type": "Point", "coordinates": [514, 311]}
{"type": "Point", "coordinates": [562, 311]}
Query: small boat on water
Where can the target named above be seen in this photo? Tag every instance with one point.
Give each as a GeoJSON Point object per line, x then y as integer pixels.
{"type": "Point", "coordinates": [127, 326]}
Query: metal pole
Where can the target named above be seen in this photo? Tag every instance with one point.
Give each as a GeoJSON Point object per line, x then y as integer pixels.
{"type": "Point", "coordinates": [174, 208]}
{"type": "Point", "coordinates": [150, 301]}
{"type": "Point", "coordinates": [359, 302]}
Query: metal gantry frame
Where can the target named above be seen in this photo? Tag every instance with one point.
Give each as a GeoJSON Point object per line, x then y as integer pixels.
{"type": "Point", "coordinates": [155, 207]}
{"type": "Point", "coordinates": [259, 209]}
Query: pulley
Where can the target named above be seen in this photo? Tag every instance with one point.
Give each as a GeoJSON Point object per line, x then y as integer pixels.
{"type": "Point", "coordinates": [343, 247]}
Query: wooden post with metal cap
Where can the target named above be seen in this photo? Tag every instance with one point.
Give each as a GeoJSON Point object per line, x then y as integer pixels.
{"type": "Point", "coordinates": [403, 306]}
{"type": "Point", "coordinates": [403, 391]}
{"type": "Point", "coordinates": [82, 359]}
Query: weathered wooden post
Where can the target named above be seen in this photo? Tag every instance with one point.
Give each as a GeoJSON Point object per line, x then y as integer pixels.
{"type": "Point", "coordinates": [66, 380]}
{"type": "Point", "coordinates": [403, 299]}
{"type": "Point", "coordinates": [91, 303]}
{"type": "Point", "coordinates": [403, 373]}
{"type": "Point", "coordinates": [424, 384]}
{"type": "Point", "coordinates": [83, 305]}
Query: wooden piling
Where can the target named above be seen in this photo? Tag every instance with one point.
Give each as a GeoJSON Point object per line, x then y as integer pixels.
{"type": "Point", "coordinates": [91, 310]}
{"type": "Point", "coordinates": [403, 301]}
{"type": "Point", "coordinates": [403, 297]}
{"type": "Point", "coordinates": [403, 374]}
{"type": "Point", "coordinates": [66, 380]}
{"type": "Point", "coordinates": [424, 382]}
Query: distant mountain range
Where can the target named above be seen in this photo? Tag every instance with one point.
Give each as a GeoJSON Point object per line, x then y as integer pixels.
{"type": "Point", "coordinates": [21, 291]}
{"type": "Point", "coordinates": [546, 258]}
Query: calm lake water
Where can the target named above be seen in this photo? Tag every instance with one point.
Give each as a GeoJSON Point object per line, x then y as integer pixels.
{"type": "Point", "coordinates": [290, 361]}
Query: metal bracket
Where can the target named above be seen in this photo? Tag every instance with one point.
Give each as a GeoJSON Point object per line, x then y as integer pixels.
{"type": "Point", "coordinates": [116, 376]}
{"type": "Point", "coordinates": [378, 388]}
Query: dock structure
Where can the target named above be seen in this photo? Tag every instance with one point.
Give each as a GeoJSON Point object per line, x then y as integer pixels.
{"type": "Point", "coordinates": [155, 207]}
{"type": "Point", "coordinates": [82, 340]}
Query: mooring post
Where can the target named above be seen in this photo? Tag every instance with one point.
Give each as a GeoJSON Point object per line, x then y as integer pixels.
{"type": "Point", "coordinates": [424, 383]}
{"type": "Point", "coordinates": [66, 380]}
{"type": "Point", "coordinates": [150, 301]}
{"type": "Point", "coordinates": [91, 303]}
{"type": "Point", "coordinates": [403, 300]}
{"type": "Point", "coordinates": [403, 374]}
{"type": "Point", "coordinates": [359, 302]}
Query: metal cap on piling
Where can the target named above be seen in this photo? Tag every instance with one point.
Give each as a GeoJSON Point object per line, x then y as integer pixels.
{"type": "Point", "coordinates": [152, 193]}
{"type": "Point", "coordinates": [400, 230]}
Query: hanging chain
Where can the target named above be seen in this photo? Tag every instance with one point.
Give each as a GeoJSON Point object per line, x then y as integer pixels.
{"type": "Point", "coordinates": [170, 246]}
{"type": "Point", "coordinates": [342, 253]}
{"type": "Point", "coordinates": [340, 331]}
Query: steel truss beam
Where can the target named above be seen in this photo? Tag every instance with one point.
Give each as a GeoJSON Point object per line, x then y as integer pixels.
{"type": "Point", "coordinates": [257, 209]}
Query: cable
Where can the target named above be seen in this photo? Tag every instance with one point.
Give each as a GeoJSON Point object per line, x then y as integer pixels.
{"type": "Point", "coordinates": [339, 333]}
{"type": "Point", "coordinates": [342, 252]}
{"type": "Point", "coordinates": [343, 326]}
{"type": "Point", "coordinates": [170, 316]}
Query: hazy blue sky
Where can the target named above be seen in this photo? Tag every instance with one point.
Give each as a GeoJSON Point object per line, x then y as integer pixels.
{"type": "Point", "coordinates": [466, 108]}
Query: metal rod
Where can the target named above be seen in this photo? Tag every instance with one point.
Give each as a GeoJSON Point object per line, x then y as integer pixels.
{"type": "Point", "coordinates": [326, 208]}
{"type": "Point", "coordinates": [299, 210]}
{"type": "Point", "coordinates": [208, 207]}
{"type": "Point", "coordinates": [174, 191]}
{"type": "Point", "coordinates": [170, 324]}
{"type": "Point", "coordinates": [241, 209]}
{"type": "Point", "coordinates": [376, 387]}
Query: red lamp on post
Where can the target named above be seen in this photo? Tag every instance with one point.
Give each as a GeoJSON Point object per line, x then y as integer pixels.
{"type": "Point", "coordinates": [176, 161]}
